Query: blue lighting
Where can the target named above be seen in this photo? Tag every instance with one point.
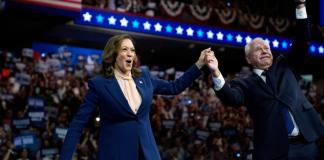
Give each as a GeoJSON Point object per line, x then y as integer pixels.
{"type": "Point", "coordinates": [238, 155]}
{"type": "Point", "coordinates": [284, 45]}
{"type": "Point", "coordinates": [229, 37]}
{"type": "Point", "coordinates": [155, 26]}
{"type": "Point", "coordinates": [200, 33]}
{"type": "Point", "coordinates": [135, 24]}
{"type": "Point", "coordinates": [321, 8]}
{"type": "Point", "coordinates": [312, 49]}
{"type": "Point", "coordinates": [43, 55]}
{"type": "Point", "coordinates": [100, 18]}
{"type": "Point", "coordinates": [168, 29]}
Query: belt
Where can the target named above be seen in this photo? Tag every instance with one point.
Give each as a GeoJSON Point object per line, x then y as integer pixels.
{"type": "Point", "coordinates": [296, 139]}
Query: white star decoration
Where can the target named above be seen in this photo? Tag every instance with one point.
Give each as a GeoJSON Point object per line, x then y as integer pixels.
{"type": "Point", "coordinates": [321, 50]}
{"type": "Point", "coordinates": [112, 20]}
{"type": "Point", "coordinates": [248, 39]}
{"type": "Point", "coordinates": [123, 22]}
{"type": "Point", "coordinates": [179, 30]}
{"type": "Point", "coordinates": [189, 32]}
{"type": "Point", "coordinates": [220, 36]}
{"type": "Point", "coordinates": [239, 38]}
{"type": "Point", "coordinates": [158, 27]}
{"type": "Point", "coordinates": [275, 43]}
{"type": "Point", "coordinates": [233, 38]}
{"type": "Point", "coordinates": [210, 34]}
{"type": "Point", "coordinates": [87, 16]}
{"type": "Point", "coordinates": [267, 41]}
{"type": "Point", "coordinates": [147, 25]}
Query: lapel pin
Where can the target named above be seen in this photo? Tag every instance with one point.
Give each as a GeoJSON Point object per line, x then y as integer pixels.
{"type": "Point", "coordinates": [141, 82]}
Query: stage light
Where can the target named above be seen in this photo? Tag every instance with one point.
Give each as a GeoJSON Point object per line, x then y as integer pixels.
{"type": "Point", "coordinates": [239, 38]}
{"type": "Point", "coordinates": [220, 36]}
{"type": "Point", "coordinates": [87, 17]}
{"type": "Point", "coordinates": [229, 37]}
{"type": "Point", "coordinates": [168, 29]}
{"type": "Point", "coordinates": [141, 24]}
{"type": "Point", "coordinates": [135, 24]}
{"type": "Point", "coordinates": [275, 43]}
{"type": "Point", "coordinates": [123, 22]}
{"type": "Point", "coordinates": [248, 39]}
{"type": "Point", "coordinates": [147, 25]}
{"type": "Point", "coordinates": [312, 49]}
{"type": "Point", "coordinates": [321, 50]}
{"type": "Point", "coordinates": [210, 34]}
{"type": "Point", "coordinates": [158, 27]}
{"type": "Point", "coordinates": [112, 20]}
{"type": "Point", "coordinates": [189, 32]}
{"type": "Point", "coordinates": [99, 18]}
{"type": "Point", "coordinates": [179, 30]}
{"type": "Point", "coordinates": [200, 33]}
{"type": "Point", "coordinates": [284, 45]}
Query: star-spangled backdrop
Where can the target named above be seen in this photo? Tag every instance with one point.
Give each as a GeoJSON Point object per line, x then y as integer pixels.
{"type": "Point", "coordinates": [166, 28]}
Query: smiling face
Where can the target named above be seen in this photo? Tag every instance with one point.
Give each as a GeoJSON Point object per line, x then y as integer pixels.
{"type": "Point", "coordinates": [125, 57]}
{"type": "Point", "coordinates": [258, 54]}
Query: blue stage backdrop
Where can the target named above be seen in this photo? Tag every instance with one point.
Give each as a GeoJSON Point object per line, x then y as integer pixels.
{"type": "Point", "coordinates": [73, 51]}
{"type": "Point", "coordinates": [322, 12]}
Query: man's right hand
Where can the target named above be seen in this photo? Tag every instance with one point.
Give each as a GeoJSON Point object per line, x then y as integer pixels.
{"type": "Point", "coordinates": [212, 63]}
{"type": "Point", "coordinates": [300, 3]}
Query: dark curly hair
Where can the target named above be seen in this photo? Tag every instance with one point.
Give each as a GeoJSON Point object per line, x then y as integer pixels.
{"type": "Point", "coordinates": [110, 53]}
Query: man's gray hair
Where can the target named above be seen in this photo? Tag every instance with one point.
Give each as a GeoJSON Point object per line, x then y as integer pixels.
{"type": "Point", "coordinates": [248, 46]}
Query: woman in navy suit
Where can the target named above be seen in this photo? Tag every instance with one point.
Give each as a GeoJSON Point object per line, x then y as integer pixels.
{"type": "Point", "coordinates": [124, 96]}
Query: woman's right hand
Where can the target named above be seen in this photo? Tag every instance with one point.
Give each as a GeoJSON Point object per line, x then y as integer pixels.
{"type": "Point", "coordinates": [201, 61]}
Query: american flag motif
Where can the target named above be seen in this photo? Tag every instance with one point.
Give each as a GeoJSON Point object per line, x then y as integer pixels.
{"type": "Point", "coordinates": [73, 5]}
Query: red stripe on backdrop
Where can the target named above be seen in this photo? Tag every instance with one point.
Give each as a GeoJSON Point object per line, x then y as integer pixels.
{"type": "Point", "coordinates": [59, 4]}
{"type": "Point", "coordinates": [72, 1]}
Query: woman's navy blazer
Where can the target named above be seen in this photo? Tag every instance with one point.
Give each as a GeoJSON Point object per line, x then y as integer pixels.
{"type": "Point", "coordinates": [122, 132]}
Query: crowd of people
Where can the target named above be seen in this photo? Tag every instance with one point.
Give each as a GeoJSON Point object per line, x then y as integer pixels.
{"type": "Point", "coordinates": [40, 94]}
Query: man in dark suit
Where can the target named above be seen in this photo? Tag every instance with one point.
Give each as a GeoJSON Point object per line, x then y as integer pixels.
{"type": "Point", "coordinates": [286, 125]}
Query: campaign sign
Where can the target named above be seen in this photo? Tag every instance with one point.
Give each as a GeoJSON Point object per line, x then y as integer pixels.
{"type": "Point", "coordinates": [168, 123]}
{"type": "Point", "coordinates": [203, 135]}
{"type": "Point", "coordinates": [215, 126]}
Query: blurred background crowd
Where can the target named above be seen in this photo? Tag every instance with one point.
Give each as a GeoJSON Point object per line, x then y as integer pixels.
{"type": "Point", "coordinates": [41, 92]}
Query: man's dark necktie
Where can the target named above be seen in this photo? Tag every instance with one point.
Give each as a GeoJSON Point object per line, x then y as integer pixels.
{"type": "Point", "coordinates": [284, 109]}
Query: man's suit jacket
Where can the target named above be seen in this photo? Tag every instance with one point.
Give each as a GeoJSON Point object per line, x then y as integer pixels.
{"type": "Point", "coordinates": [270, 134]}
{"type": "Point", "coordinates": [122, 131]}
